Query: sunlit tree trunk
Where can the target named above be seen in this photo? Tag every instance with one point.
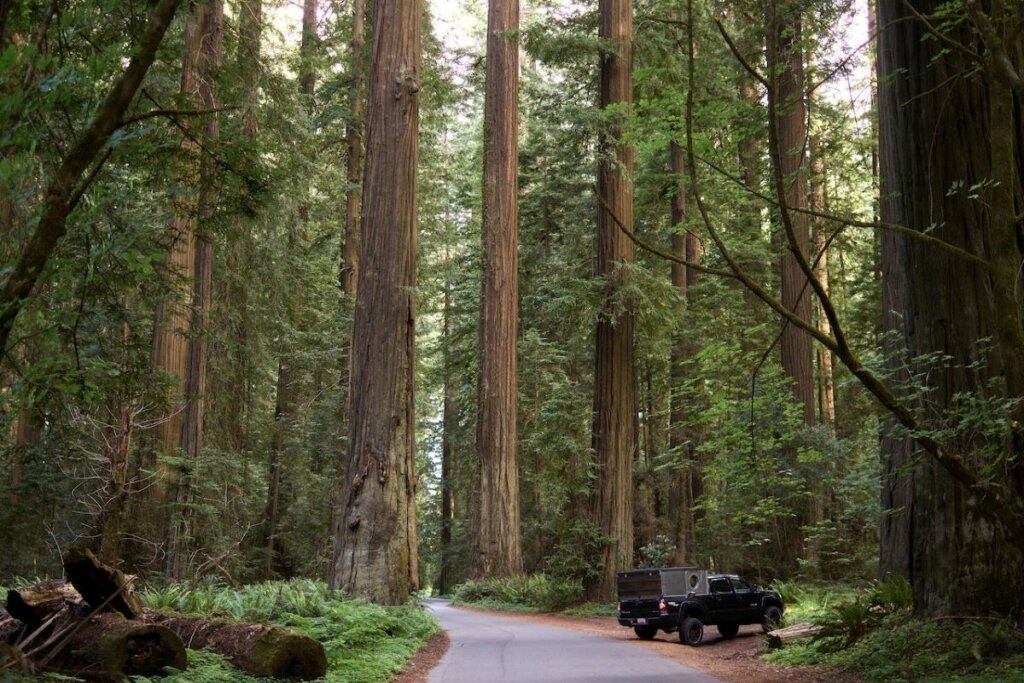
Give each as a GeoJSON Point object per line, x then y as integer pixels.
{"type": "Point", "coordinates": [208, 18]}
{"type": "Point", "coordinates": [375, 550]}
{"type": "Point", "coordinates": [497, 546]}
{"type": "Point", "coordinates": [615, 422]}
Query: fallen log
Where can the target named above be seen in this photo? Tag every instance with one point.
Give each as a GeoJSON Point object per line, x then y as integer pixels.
{"type": "Point", "coordinates": [34, 604]}
{"type": "Point", "coordinates": [781, 636]}
{"type": "Point", "coordinates": [258, 649]}
{"type": "Point", "coordinates": [108, 645]}
{"type": "Point", "coordinates": [99, 584]}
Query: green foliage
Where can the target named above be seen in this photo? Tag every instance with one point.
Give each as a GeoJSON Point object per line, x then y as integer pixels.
{"type": "Point", "coordinates": [901, 648]}
{"type": "Point", "coordinates": [533, 592]}
{"type": "Point", "coordinates": [365, 643]}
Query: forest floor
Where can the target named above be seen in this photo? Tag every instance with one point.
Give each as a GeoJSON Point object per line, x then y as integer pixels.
{"type": "Point", "coordinates": [737, 660]}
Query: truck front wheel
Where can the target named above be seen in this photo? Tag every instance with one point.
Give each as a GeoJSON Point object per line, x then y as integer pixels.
{"type": "Point", "coordinates": [691, 631]}
{"type": "Point", "coordinates": [771, 619]}
{"type": "Point", "coordinates": [645, 632]}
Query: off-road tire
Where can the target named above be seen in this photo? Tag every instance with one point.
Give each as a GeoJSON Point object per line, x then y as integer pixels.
{"type": "Point", "coordinates": [729, 630]}
{"type": "Point", "coordinates": [771, 618]}
{"type": "Point", "coordinates": [645, 632]}
{"type": "Point", "coordinates": [691, 632]}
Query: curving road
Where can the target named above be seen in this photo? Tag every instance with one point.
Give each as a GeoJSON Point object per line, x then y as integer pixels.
{"type": "Point", "coordinates": [487, 648]}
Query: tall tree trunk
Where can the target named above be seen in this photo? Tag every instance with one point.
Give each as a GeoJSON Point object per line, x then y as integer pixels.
{"type": "Point", "coordinates": [615, 422]}
{"type": "Point", "coordinates": [786, 64]}
{"type": "Point", "coordinates": [209, 19]}
{"type": "Point", "coordinates": [497, 546]}
{"type": "Point", "coordinates": [375, 550]}
{"type": "Point", "coordinates": [450, 423]}
{"type": "Point", "coordinates": [354, 146]}
{"type": "Point", "coordinates": [687, 486]}
{"type": "Point", "coordinates": [936, 532]}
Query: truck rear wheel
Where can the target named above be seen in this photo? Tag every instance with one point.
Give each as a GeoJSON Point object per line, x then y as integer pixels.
{"type": "Point", "coordinates": [728, 630]}
{"type": "Point", "coordinates": [691, 632]}
{"type": "Point", "coordinates": [645, 632]}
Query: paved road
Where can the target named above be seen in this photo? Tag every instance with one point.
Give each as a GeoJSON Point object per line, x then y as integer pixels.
{"type": "Point", "coordinates": [488, 648]}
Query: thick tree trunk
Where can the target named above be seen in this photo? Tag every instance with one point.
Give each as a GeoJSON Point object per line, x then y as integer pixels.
{"type": "Point", "coordinates": [786, 61]}
{"type": "Point", "coordinates": [615, 421]}
{"type": "Point", "coordinates": [497, 546]}
{"type": "Point", "coordinates": [936, 531]}
{"type": "Point", "coordinates": [375, 551]}
{"type": "Point", "coordinates": [257, 649]}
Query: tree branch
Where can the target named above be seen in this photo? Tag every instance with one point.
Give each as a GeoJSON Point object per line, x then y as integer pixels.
{"type": "Point", "coordinates": [52, 222]}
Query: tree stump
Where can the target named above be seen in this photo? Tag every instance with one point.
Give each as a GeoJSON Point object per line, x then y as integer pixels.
{"type": "Point", "coordinates": [98, 583]}
{"type": "Point", "coordinates": [34, 604]}
{"type": "Point", "coordinates": [108, 644]}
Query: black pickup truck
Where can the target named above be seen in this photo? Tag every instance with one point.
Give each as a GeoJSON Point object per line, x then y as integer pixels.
{"type": "Point", "coordinates": [684, 599]}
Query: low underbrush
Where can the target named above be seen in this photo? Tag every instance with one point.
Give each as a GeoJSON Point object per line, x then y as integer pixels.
{"type": "Point", "coordinates": [365, 643]}
{"type": "Point", "coordinates": [524, 593]}
{"type": "Point", "coordinates": [873, 634]}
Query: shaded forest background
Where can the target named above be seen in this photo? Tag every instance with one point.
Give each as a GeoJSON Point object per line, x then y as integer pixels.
{"type": "Point", "coordinates": [175, 388]}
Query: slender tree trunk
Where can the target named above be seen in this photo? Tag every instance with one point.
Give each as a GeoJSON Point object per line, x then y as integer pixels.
{"type": "Point", "coordinates": [615, 421]}
{"type": "Point", "coordinates": [209, 18]}
{"type": "Point", "coordinates": [819, 203]}
{"type": "Point", "coordinates": [498, 544]}
{"type": "Point", "coordinates": [450, 424]}
{"type": "Point", "coordinates": [687, 485]}
{"type": "Point", "coordinates": [786, 62]}
{"type": "Point", "coordinates": [936, 532]}
{"type": "Point", "coordinates": [375, 551]}
{"type": "Point", "coordinates": [353, 159]}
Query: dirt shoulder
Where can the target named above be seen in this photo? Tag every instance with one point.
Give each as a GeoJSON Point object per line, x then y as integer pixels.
{"type": "Point", "coordinates": [736, 661]}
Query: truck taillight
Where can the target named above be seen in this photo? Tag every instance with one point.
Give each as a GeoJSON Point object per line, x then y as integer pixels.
{"type": "Point", "coordinates": [663, 607]}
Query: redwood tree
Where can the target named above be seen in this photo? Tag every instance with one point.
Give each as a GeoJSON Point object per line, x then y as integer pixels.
{"type": "Point", "coordinates": [375, 553]}
{"type": "Point", "coordinates": [615, 422]}
{"type": "Point", "coordinates": [497, 545]}
{"type": "Point", "coordinates": [953, 522]}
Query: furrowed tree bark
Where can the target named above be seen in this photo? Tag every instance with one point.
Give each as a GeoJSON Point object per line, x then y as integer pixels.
{"type": "Point", "coordinates": [375, 550]}
{"type": "Point", "coordinates": [786, 65]}
{"type": "Point", "coordinates": [942, 530]}
{"type": "Point", "coordinates": [497, 545]}
{"type": "Point", "coordinates": [61, 192]}
{"type": "Point", "coordinates": [615, 420]}
{"type": "Point", "coordinates": [257, 649]}
{"type": "Point", "coordinates": [354, 150]}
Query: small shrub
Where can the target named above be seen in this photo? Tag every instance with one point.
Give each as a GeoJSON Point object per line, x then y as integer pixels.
{"type": "Point", "coordinates": [534, 591]}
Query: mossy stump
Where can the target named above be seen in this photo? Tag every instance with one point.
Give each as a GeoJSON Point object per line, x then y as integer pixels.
{"type": "Point", "coordinates": [109, 643]}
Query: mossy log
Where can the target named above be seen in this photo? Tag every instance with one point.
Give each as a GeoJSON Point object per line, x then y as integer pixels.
{"type": "Point", "coordinates": [781, 636]}
{"type": "Point", "coordinates": [34, 604]}
{"type": "Point", "coordinates": [98, 583]}
{"type": "Point", "coordinates": [258, 649]}
{"type": "Point", "coordinates": [108, 644]}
